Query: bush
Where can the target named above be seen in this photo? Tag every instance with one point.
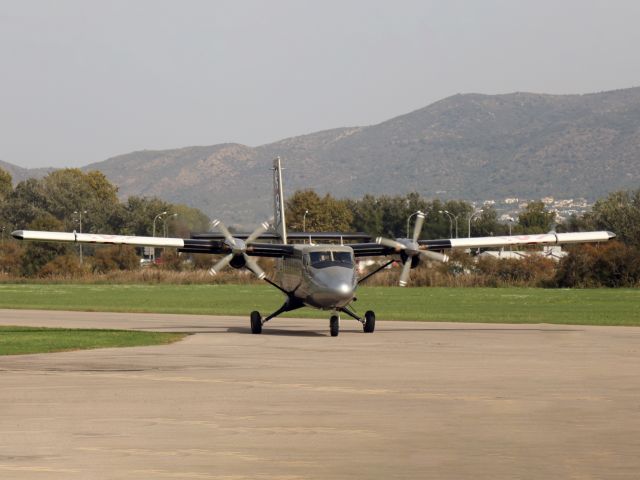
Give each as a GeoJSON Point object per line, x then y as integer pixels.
{"type": "Point", "coordinates": [115, 257]}
{"type": "Point", "coordinates": [612, 264]}
{"type": "Point", "coordinates": [11, 258]}
{"type": "Point", "coordinates": [532, 270]}
{"type": "Point", "coordinates": [66, 265]}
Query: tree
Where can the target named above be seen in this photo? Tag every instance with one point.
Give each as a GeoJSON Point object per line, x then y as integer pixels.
{"type": "Point", "coordinates": [37, 254]}
{"type": "Point", "coordinates": [325, 214]}
{"type": "Point", "coordinates": [6, 184]}
{"type": "Point", "coordinates": [536, 218]}
{"type": "Point", "coordinates": [620, 213]}
{"type": "Point", "coordinates": [25, 203]}
{"type": "Point", "coordinates": [188, 220]}
{"type": "Point", "coordinates": [487, 224]}
{"type": "Point", "coordinates": [136, 216]}
{"type": "Point", "coordinates": [71, 190]}
{"type": "Point", "coordinates": [367, 217]}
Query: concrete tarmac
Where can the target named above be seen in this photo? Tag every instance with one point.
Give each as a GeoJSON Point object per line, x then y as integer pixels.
{"type": "Point", "coordinates": [412, 400]}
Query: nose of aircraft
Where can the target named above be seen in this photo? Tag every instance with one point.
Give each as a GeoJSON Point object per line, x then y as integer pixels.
{"type": "Point", "coordinates": [332, 287]}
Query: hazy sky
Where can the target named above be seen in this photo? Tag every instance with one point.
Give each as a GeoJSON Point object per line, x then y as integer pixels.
{"type": "Point", "coordinates": [82, 80]}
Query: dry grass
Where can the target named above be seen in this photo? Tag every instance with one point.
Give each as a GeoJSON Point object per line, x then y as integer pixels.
{"type": "Point", "coordinates": [143, 275]}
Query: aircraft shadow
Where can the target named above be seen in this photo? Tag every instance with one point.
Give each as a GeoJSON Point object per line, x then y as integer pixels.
{"type": "Point", "coordinates": [280, 332]}
{"type": "Point", "coordinates": [308, 333]}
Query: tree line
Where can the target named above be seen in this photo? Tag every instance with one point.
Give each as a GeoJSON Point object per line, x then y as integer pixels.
{"type": "Point", "coordinates": [73, 200]}
{"type": "Point", "coordinates": [65, 198]}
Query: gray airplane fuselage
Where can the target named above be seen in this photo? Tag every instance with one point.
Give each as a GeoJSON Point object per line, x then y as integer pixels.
{"type": "Point", "coordinates": [321, 276]}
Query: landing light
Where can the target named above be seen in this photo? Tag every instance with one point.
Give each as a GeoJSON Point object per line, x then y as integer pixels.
{"type": "Point", "coordinates": [345, 288]}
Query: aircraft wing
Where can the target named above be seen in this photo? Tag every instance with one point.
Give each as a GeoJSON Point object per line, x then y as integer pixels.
{"type": "Point", "coordinates": [73, 237]}
{"type": "Point", "coordinates": [372, 249]}
{"type": "Point", "coordinates": [188, 245]}
{"type": "Point", "coordinates": [515, 240]}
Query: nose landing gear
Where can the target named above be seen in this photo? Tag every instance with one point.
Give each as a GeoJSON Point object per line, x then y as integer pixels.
{"type": "Point", "coordinates": [256, 322]}
{"type": "Point", "coordinates": [334, 325]}
{"type": "Point", "coordinates": [368, 322]}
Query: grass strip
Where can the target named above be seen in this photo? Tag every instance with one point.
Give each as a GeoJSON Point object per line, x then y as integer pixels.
{"type": "Point", "coordinates": [25, 340]}
{"type": "Point", "coordinates": [493, 305]}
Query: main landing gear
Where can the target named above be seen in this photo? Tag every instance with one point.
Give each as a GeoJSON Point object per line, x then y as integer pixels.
{"type": "Point", "coordinates": [368, 322]}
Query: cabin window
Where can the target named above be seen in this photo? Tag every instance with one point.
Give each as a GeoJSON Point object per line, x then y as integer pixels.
{"type": "Point", "coordinates": [330, 259]}
{"type": "Point", "coordinates": [343, 257]}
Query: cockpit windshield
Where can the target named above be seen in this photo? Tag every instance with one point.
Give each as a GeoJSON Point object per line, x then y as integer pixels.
{"type": "Point", "coordinates": [330, 259]}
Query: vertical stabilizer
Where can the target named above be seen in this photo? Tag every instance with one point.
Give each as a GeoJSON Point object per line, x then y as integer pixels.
{"type": "Point", "coordinates": [278, 201]}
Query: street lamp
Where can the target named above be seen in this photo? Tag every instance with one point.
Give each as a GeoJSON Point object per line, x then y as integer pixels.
{"type": "Point", "coordinates": [79, 213]}
{"type": "Point", "coordinates": [164, 222]}
{"type": "Point", "coordinates": [304, 221]}
{"type": "Point", "coordinates": [455, 219]}
{"type": "Point", "coordinates": [417, 212]}
{"type": "Point", "coordinates": [471, 217]}
{"type": "Point", "coordinates": [153, 255]}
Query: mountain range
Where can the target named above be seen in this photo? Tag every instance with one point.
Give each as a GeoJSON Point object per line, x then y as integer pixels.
{"type": "Point", "coordinates": [468, 146]}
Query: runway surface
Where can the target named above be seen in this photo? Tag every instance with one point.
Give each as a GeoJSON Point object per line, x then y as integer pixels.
{"type": "Point", "coordinates": [412, 400]}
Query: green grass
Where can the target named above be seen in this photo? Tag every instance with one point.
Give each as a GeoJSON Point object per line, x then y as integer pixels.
{"type": "Point", "coordinates": [24, 340]}
{"type": "Point", "coordinates": [499, 305]}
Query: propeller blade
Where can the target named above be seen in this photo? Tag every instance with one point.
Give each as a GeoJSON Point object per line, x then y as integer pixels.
{"type": "Point", "coordinates": [253, 266]}
{"type": "Point", "coordinates": [387, 242]}
{"type": "Point", "coordinates": [418, 226]}
{"type": "Point", "coordinates": [257, 232]}
{"type": "Point", "coordinates": [220, 265]}
{"type": "Point", "coordinates": [404, 275]}
{"type": "Point", "coordinates": [227, 235]}
{"type": "Point", "coordinates": [439, 257]}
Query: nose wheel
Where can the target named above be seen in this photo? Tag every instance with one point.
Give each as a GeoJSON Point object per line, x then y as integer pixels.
{"type": "Point", "coordinates": [334, 325]}
{"type": "Point", "coordinates": [256, 322]}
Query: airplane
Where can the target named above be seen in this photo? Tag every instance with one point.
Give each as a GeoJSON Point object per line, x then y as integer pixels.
{"type": "Point", "coordinates": [318, 275]}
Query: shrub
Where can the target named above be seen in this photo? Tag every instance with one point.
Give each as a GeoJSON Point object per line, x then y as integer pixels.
{"type": "Point", "coordinates": [65, 265]}
{"type": "Point", "coordinates": [115, 257]}
{"type": "Point", "coordinates": [612, 264]}
{"type": "Point", "coordinates": [11, 258]}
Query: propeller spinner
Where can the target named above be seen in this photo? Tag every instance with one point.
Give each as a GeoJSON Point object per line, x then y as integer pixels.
{"type": "Point", "coordinates": [410, 249]}
{"type": "Point", "coordinates": [238, 248]}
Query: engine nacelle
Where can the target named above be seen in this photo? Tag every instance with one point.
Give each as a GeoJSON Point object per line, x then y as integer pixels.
{"type": "Point", "coordinates": [415, 260]}
{"type": "Point", "coordinates": [238, 261]}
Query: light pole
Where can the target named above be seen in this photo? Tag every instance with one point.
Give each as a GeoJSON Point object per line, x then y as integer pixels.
{"type": "Point", "coordinates": [79, 213]}
{"type": "Point", "coordinates": [409, 220]}
{"type": "Point", "coordinates": [165, 220]}
{"type": "Point", "coordinates": [450, 221]}
{"type": "Point", "coordinates": [471, 217]}
{"type": "Point", "coordinates": [304, 221]}
{"type": "Point", "coordinates": [455, 219]}
{"type": "Point", "coordinates": [153, 256]}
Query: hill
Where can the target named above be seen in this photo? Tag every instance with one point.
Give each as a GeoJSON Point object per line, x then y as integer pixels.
{"type": "Point", "coordinates": [468, 146]}
{"type": "Point", "coordinates": [19, 174]}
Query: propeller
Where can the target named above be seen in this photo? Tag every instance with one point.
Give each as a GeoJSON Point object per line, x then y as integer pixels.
{"type": "Point", "coordinates": [409, 249]}
{"type": "Point", "coordinates": [238, 250]}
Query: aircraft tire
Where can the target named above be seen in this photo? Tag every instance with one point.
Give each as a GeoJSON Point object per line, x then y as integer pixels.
{"type": "Point", "coordinates": [369, 322]}
{"type": "Point", "coordinates": [334, 325]}
{"type": "Point", "coordinates": [256, 322]}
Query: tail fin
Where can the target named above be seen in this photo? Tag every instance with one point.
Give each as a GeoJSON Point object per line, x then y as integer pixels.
{"type": "Point", "coordinates": [278, 201]}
